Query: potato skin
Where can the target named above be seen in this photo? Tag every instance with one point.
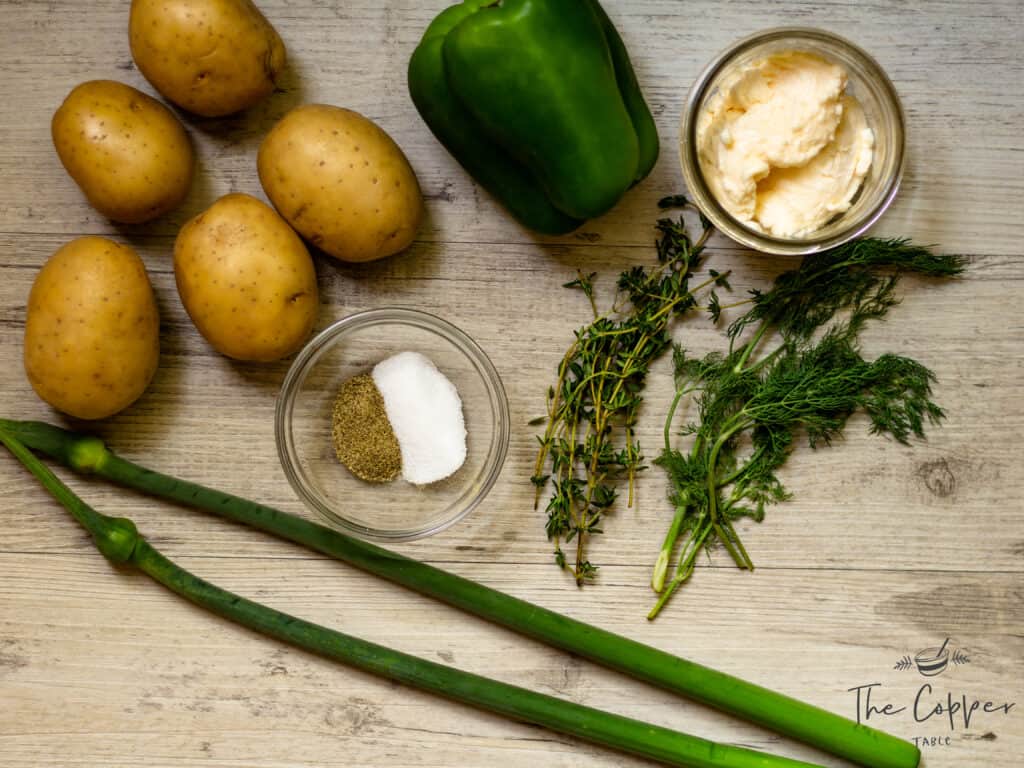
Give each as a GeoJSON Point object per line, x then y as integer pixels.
{"type": "Point", "coordinates": [246, 280]}
{"type": "Point", "coordinates": [210, 57]}
{"type": "Point", "coordinates": [126, 151]}
{"type": "Point", "coordinates": [92, 331]}
{"type": "Point", "coordinates": [342, 182]}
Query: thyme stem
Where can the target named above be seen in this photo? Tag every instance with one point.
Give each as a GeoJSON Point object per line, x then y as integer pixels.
{"type": "Point", "coordinates": [589, 442]}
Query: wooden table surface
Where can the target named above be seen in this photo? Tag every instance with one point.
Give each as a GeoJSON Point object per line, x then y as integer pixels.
{"type": "Point", "coordinates": [885, 550]}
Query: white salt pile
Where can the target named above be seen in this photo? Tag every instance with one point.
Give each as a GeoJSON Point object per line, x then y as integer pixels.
{"type": "Point", "coordinates": [425, 412]}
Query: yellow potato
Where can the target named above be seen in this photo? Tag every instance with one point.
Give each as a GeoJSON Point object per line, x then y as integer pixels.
{"type": "Point", "coordinates": [246, 280]}
{"type": "Point", "coordinates": [342, 182]}
{"type": "Point", "coordinates": [129, 154]}
{"type": "Point", "coordinates": [92, 329]}
{"type": "Point", "coordinates": [211, 57]}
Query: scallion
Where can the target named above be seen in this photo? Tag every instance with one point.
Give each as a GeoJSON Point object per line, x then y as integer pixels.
{"type": "Point", "coordinates": [790, 717]}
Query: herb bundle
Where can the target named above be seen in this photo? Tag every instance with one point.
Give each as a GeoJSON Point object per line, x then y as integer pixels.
{"type": "Point", "coordinates": [813, 380]}
{"type": "Point", "coordinates": [589, 444]}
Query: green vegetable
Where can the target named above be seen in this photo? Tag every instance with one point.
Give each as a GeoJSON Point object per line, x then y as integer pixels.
{"type": "Point", "coordinates": [121, 543]}
{"type": "Point", "coordinates": [599, 391]}
{"type": "Point", "coordinates": [787, 716]}
{"type": "Point", "coordinates": [812, 382]}
{"type": "Point", "coordinates": [538, 101]}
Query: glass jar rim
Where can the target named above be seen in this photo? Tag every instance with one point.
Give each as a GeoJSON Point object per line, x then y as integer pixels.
{"type": "Point", "coordinates": [694, 178]}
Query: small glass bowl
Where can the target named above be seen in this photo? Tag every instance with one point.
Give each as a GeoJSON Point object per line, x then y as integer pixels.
{"type": "Point", "coordinates": [867, 82]}
{"type": "Point", "coordinates": [399, 510]}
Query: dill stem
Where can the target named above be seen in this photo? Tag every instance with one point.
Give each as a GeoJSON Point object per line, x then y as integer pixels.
{"type": "Point", "coordinates": [741, 561]}
{"type": "Point", "coordinates": [740, 471]}
{"type": "Point", "coordinates": [672, 413]}
{"type": "Point", "coordinates": [683, 571]}
{"type": "Point", "coordinates": [766, 359]}
{"type": "Point", "coordinates": [739, 543]}
{"type": "Point", "coordinates": [749, 348]}
{"type": "Point", "coordinates": [661, 566]}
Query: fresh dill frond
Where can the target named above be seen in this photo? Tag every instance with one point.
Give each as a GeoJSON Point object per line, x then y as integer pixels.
{"type": "Point", "coordinates": [814, 379]}
{"type": "Point", "coordinates": [862, 272]}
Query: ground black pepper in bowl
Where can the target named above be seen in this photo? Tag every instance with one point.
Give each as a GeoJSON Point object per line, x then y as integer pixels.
{"type": "Point", "coordinates": [363, 438]}
{"type": "Point", "coordinates": [445, 471]}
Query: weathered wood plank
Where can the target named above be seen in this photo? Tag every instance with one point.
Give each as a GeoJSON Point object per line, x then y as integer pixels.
{"type": "Point", "coordinates": [884, 551]}
{"type": "Point", "coordinates": [141, 673]}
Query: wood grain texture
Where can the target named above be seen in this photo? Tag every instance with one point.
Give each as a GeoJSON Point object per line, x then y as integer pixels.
{"type": "Point", "coordinates": [884, 551]}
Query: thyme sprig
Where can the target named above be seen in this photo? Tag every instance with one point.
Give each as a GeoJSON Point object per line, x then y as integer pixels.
{"type": "Point", "coordinates": [813, 380]}
{"type": "Point", "coordinates": [589, 445]}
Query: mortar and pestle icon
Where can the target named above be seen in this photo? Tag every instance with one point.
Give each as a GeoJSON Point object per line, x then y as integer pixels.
{"type": "Point", "coordinates": [932, 661]}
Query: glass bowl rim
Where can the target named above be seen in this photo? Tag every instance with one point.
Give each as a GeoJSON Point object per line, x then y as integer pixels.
{"type": "Point", "coordinates": [309, 355]}
{"type": "Point", "coordinates": [716, 213]}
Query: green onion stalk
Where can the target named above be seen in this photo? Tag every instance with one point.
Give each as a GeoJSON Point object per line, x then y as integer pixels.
{"type": "Point", "coordinates": [790, 717]}
{"type": "Point", "coordinates": [120, 542]}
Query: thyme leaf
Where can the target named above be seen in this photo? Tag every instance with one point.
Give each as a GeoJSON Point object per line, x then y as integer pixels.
{"type": "Point", "coordinates": [589, 446]}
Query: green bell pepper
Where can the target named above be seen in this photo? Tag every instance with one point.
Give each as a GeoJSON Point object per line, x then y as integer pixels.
{"type": "Point", "coordinates": [538, 101]}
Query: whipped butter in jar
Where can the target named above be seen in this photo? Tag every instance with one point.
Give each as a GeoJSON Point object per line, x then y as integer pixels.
{"type": "Point", "coordinates": [782, 145]}
{"type": "Point", "coordinates": [792, 141]}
